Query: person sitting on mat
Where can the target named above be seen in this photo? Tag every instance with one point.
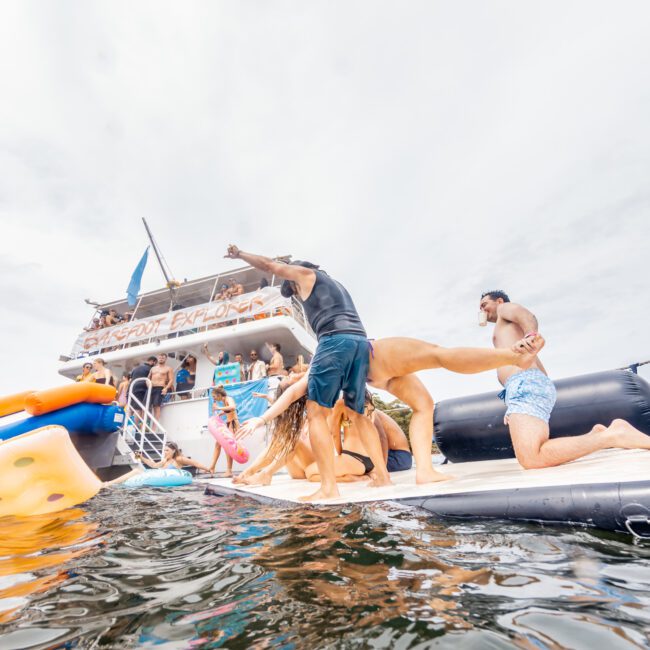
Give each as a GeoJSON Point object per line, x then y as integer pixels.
{"type": "Point", "coordinates": [172, 459]}
{"type": "Point", "coordinates": [398, 452]}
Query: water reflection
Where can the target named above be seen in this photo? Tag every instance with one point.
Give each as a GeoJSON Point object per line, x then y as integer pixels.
{"type": "Point", "coordinates": [179, 569]}
{"type": "Point", "coordinates": [31, 545]}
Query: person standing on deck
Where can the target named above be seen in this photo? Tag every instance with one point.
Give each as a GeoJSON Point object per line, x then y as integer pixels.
{"type": "Point", "coordinates": [162, 381]}
{"type": "Point", "coordinates": [530, 396]}
{"type": "Point", "coordinates": [340, 362]}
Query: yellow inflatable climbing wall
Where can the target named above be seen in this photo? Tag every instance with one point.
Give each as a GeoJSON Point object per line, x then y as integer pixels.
{"type": "Point", "coordinates": [41, 472]}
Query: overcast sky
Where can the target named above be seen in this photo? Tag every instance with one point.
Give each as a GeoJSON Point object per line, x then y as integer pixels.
{"type": "Point", "coordinates": [421, 152]}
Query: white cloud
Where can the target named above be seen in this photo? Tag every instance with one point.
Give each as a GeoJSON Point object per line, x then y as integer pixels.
{"type": "Point", "coordinates": [422, 153]}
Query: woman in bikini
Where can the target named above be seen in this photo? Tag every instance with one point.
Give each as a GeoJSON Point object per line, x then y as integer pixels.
{"type": "Point", "coordinates": [229, 409]}
{"type": "Point", "coordinates": [102, 374]}
{"type": "Point", "coordinates": [172, 459]}
{"type": "Point", "coordinates": [290, 446]}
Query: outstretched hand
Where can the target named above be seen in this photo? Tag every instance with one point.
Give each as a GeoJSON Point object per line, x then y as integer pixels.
{"type": "Point", "coordinates": [248, 428]}
{"type": "Point", "coordinates": [528, 342]}
{"type": "Point", "coordinates": [232, 252]}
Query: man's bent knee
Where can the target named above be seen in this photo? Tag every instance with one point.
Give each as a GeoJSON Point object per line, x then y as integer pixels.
{"type": "Point", "coordinates": [532, 462]}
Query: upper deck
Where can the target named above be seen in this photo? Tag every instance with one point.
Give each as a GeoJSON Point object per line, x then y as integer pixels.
{"type": "Point", "coordinates": [193, 313]}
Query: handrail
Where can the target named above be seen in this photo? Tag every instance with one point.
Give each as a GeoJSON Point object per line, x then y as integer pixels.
{"type": "Point", "coordinates": [146, 419]}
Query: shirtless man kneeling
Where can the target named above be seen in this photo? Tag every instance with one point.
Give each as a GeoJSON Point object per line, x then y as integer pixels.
{"type": "Point", "coordinates": [530, 396]}
{"type": "Point", "coordinates": [162, 379]}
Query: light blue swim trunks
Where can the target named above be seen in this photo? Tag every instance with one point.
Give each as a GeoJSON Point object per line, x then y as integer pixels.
{"type": "Point", "coordinates": [529, 392]}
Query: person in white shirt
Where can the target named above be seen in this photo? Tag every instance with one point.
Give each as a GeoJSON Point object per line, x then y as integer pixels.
{"type": "Point", "coordinates": [257, 367]}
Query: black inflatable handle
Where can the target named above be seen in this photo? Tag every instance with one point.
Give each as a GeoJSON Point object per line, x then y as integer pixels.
{"type": "Point", "coordinates": [471, 428]}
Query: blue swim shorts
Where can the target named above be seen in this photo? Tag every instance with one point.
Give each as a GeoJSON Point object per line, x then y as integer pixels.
{"type": "Point", "coordinates": [340, 364]}
{"type": "Point", "coordinates": [399, 460]}
{"type": "Point", "coordinates": [529, 392]}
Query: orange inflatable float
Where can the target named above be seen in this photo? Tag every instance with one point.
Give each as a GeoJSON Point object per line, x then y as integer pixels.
{"type": "Point", "coordinates": [11, 404]}
{"type": "Point", "coordinates": [41, 472]}
{"type": "Point", "coordinates": [52, 399]}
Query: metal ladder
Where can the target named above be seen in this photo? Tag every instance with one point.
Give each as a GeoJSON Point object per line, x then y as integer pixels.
{"type": "Point", "coordinates": [141, 432]}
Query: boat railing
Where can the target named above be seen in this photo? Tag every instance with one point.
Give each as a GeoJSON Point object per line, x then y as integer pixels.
{"type": "Point", "coordinates": [294, 310]}
{"type": "Point", "coordinates": [141, 431]}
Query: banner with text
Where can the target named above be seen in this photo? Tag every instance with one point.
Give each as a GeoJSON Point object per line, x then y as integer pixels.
{"type": "Point", "coordinates": [265, 302]}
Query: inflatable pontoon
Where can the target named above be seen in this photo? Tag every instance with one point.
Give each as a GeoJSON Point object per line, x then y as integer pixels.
{"type": "Point", "coordinates": [608, 490]}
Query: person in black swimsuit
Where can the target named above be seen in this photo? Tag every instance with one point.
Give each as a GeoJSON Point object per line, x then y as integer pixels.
{"type": "Point", "coordinates": [352, 462]}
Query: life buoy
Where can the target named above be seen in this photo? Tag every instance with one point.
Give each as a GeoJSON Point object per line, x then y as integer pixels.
{"type": "Point", "coordinates": [168, 477]}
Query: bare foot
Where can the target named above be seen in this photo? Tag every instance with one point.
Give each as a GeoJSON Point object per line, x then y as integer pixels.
{"type": "Point", "coordinates": [626, 436]}
{"type": "Point", "coordinates": [430, 475]}
{"type": "Point", "coordinates": [377, 480]}
{"type": "Point", "coordinates": [525, 358]}
{"type": "Point", "coordinates": [598, 428]}
{"type": "Point", "coordinates": [227, 475]}
{"type": "Point", "coordinates": [259, 478]}
{"type": "Point", "coordinates": [320, 494]}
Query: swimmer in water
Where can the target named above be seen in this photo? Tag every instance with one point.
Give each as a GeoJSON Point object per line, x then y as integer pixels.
{"type": "Point", "coordinates": [392, 366]}
{"type": "Point", "coordinates": [172, 459]}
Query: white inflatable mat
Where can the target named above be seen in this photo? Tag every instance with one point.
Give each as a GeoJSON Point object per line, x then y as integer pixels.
{"type": "Point", "coordinates": [611, 466]}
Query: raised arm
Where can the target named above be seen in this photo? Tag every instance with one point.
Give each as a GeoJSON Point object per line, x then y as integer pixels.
{"type": "Point", "coordinates": [303, 277]}
{"type": "Point", "coordinates": [294, 392]}
{"type": "Point", "coordinates": [211, 359]}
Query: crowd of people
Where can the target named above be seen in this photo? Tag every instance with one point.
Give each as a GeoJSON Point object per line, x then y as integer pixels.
{"type": "Point", "coordinates": [108, 318]}
{"type": "Point", "coordinates": [256, 368]}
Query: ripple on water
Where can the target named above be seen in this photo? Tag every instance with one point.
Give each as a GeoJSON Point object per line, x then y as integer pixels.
{"type": "Point", "coordinates": [178, 569]}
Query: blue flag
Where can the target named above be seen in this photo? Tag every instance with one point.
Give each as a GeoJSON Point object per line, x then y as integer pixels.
{"type": "Point", "coordinates": [134, 286]}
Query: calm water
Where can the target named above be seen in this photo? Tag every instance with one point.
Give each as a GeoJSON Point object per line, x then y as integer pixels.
{"type": "Point", "coordinates": [179, 569]}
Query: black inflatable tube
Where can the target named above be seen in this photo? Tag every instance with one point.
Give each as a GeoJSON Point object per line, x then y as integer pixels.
{"type": "Point", "coordinates": [471, 428]}
{"type": "Point", "coordinates": [609, 506]}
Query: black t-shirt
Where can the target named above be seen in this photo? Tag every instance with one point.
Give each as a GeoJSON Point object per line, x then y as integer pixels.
{"type": "Point", "coordinates": [138, 372]}
{"type": "Point", "coordinates": [330, 309]}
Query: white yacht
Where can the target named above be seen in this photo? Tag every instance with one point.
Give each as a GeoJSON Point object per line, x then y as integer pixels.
{"type": "Point", "coordinates": [179, 320]}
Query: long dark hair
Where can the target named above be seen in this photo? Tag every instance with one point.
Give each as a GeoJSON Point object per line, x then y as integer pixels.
{"type": "Point", "coordinates": [174, 447]}
{"type": "Point", "coordinates": [288, 427]}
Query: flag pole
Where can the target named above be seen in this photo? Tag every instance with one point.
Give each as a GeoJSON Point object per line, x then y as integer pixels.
{"type": "Point", "coordinates": [172, 284]}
